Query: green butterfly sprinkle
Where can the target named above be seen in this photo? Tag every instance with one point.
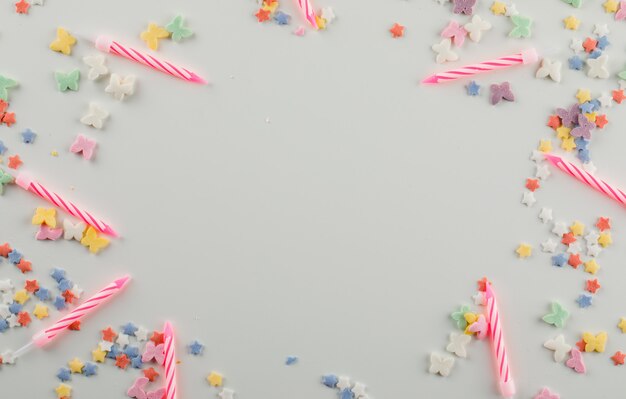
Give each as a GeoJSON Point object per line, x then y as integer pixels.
{"type": "Point", "coordinates": [6, 83]}
{"type": "Point", "coordinates": [558, 316]}
{"type": "Point", "coordinates": [622, 75]}
{"type": "Point", "coordinates": [574, 3]}
{"type": "Point", "coordinates": [522, 26]}
{"type": "Point", "coordinates": [5, 178]}
{"type": "Point", "coordinates": [459, 316]}
{"type": "Point", "coordinates": [67, 81]}
{"type": "Point", "coordinates": [177, 29]}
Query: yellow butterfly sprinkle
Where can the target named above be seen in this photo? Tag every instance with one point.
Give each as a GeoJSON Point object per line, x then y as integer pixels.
{"type": "Point", "coordinates": [152, 35]}
{"type": "Point", "coordinates": [92, 241]}
{"type": "Point", "coordinates": [45, 215]}
{"type": "Point", "coordinates": [595, 343]}
{"type": "Point", "coordinates": [63, 43]}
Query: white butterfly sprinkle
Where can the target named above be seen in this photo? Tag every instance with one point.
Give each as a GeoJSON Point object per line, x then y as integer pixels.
{"type": "Point", "coordinates": [476, 27]}
{"type": "Point", "coordinates": [96, 66]}
{"type": "Point", "coordinates": [121, 87]}
{"type": "Point", "coordinates": [457, 344]}
{"type": "Point", "coordinates": [95, 116]}
{"type": "Point", "coordinates": [73, 231]}
{"type": "Point", "coordinates": [597, 67]}
{"type": "Point", "coordinates": [440, 364]}
{"type": "Point", "coordinates": [444, 53]}
{"type": "Point", "coordinates": [560, 348]}
{"type": "Point", "coordinates": [550, 69]}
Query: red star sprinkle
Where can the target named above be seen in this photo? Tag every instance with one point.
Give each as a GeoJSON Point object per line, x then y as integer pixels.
{"type": "Point", "coordinates": [8, 118]}
{"type": "Point", "coordinates": [157, 338]}
{"type": "Point", "coordinates": [568, 238]}
{"type": "Point", "coordinates": [574, 260]}
{"type": "Point", "coordinates": [31, 286]}
{"type": "Point", "coordinates": [601, 121]}
{"type": "Point", "coordinates": [150, 374]}
{"type": "Point", "coordinates": [75, 326]}
{"type": "Point", "coordinates": [122, 361]}
{"type": "Point", "coordinates": [15, 162]}
{"type": "Point", "coordinates": [23, 318]}
{"type": "Point", "coordinates": [581, 345]}
{"type": "Point", "coordinates": [482, 284]}
{"type": "Point", "coordinates": [618, 358]}
{"type": "Point", "coordinates": [590, 44]}
{"type": "Point", "coordinates": [592, 286]}
{"type": "Point", "coordinates": [603, 223]}
{"type": "Point", "coordinates": [24, 266]}
{"type": "Point", "coordinates": [69, 296]}
{"type": "Point", "coordinates": [262, 15]}
{"type": "Point", "coordinates": [618, 96]}
{"type": "Point", "coordinates": [532, 184]}
{"type": "Point", "coordinates": [108, 334]}
{"type": "Point", "coordinates": [397, 30]}
{"type": "Point", "coordinates": [3, 106]}
{"type": "Point", "coordinates": [21, 7]}
{"type": "Point", "coordinates": [554, 122]}
{"type": "Point", "coordinates": [5, 249]}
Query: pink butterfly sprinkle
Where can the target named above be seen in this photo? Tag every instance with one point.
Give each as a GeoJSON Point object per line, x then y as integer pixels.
{"type": "Point", "coordinates": [299, 31]}
{"type": "Point", "coordinates": [479, 327]}
{"type": "Point", "coordinates": [153, 352]}
{"type": "Point", "coordinates": [159, 394]}
{"type": "Point", "coordinates": [46, 233]}
{"type": "Point", "coordinates": [576, 361]}
{"type": "Point", "coordinates": [136, 391]}
{"type": "Point", "coordinates": [621, 14]}
{"type": "Point", "coordinates": [455, 32]}
{"type": "Point", "coordinates": [545, 393]}
{"type": "Point", "coordinates": [84, 145]}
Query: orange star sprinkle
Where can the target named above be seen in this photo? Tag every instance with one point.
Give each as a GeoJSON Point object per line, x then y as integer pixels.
{"type": "Point", "coordinates": [482, 284]}
{"type": "Point", "coordinates": [532, 184]}
{"type": "Point", "coordinates": [554, 121]}
{"type": "Point", "coordinates": [568, 238]}
{"type": "Point", "coordinates": [24, 266]}
{"type": "Point", "coordinates": [581, 345]}
{"type": "Point", "coordinates": [397, 30]}
{"type": "Point", "coordinates": [15, 162]}
{"type": "Point", "coordinates": [618, 96]}
{"type": "Point", "coordinates": [75, 326]}
{"type": "Point", "coordinates": [31, 286]}
{"type": "Point", "coordinates": [23, 318]}
{"type": "Point", "coordinates": [5, 249]}
{"type": "Point", "coordinates": [21, 7]}
{"type": "Point", "coordinates": [69, 296]}
{"type": "Point", "coordinates": [618, 358]}
{"type": "Point", "coordinates": [601, 121]}
{"type": "Point", "coordinates": [122, 361]}
{"type": "Point", "coordinates": [8, 118]}
{"type": "Point", "coordinates": [150, 374]}
{"type": "Point", "coordinates": [603, 224]}
{"type": "Point", "coordinates": [262, 15]}
{"type": "Point", "coordinates": [590, 44]}
{"type": "Point", "coordinates": [574, 260]}
{"type": "Point", "coordinates": [157, 338]}
{"type": "Point", "coordinates": [108, 334]}
{"type": "Point", "coordinates": [592, 286]}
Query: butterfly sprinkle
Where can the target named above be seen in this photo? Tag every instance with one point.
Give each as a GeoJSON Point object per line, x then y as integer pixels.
{"type": "Point", "coordinates": [178, 30]}
{"type": "Point", "coordinates": [67, 81]}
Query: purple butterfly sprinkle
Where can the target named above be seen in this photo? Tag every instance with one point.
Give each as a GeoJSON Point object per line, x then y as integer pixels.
{"type": "Point", "coordinates": [464, 7]}
{"type": "Point", "coordinates": [584, 127]}
{"type": "Point", "coordinates": [568, 116]}
{"type": "Point", "coordinates": [501, 92]}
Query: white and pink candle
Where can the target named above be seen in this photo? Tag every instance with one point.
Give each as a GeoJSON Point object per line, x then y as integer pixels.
{"type": "Point", "coordinates": [307, 10]}
{"type": "Point", "coordinates": [169, 362]}
{"type": "Point", "coordinates": [505, 380]}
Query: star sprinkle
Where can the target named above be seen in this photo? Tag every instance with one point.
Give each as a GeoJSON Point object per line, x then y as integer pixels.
{"type": "Point", "coordinates": [40, 311]}
{"type": "Point", "coordinates": [498, 8]}
{"type": "Point", "coordinates": [397, 30]}
{"type": "Point", "coordinates": [528, 198]}
{"type": "Point", "coordinates": [63, 374]}
{"type": "Point", "coordinates": [584, 301]}
{"type": "Point", "coordinates": [571, 23]}
{"type": "Point", "coordinates": [545, 215]}
{"type": "Point", "coordinates": [215, 379]}
{"type": "Point", "coordinates": [14, 162]}
{"type": "Point", "coordinates": [22, 6]}
{"type": "Point", "coordinates": [67, 81]}
{"type": "Point", "coordinates": [548, 246]}
{"type": "Point", "coordinates": [23, 318]}
{"type": "Point", "coordinates": [575, 63]}
{"type": "Point", "coordinates": [574, 260]}
{"type": "Point", "coordinates": [545, 146]}
{"type": "Point", "coordinates": [622, 325]}
{"type": "Point", "coordinates": [603, 224]}
{"type": "Point", "coordinates": [511, 10]}
{"type": "Point", "coordinates": [559, 347]}
{"type": "Point", "coordinates": [440, 364]}
{"type": "Point", "coordinates": [122, 340]}
{"type": "Point", "coordinates": [583, 96]}
{"type": "Point", "coordinates": [108, 334]}
{"type": "Point", "coordinates": [63, 391]}
{"type": "Point", "coordinates": [476, 27]}
{"type": "Point", "coordinates": [457, 344]}
{"type": "Point", "coordinates": [560, 228]}
{"type": "Point", "coordinates": [618, 358]}
{"type": "Point", "coordinates": [28, 136]}
{"type": "Point", "coordinates": [21, 297]}
{"type": "Point", "coordinates": [157, 338]}
{"type": "Point", "coordinates": [559, 260]}
{"type": "Point", "coordinates": [473, 88]}
{"type": "Point", "coordinates": [121, 361]}
{"type": "Point", "coordinates": [601, 121]}
{"type": "Point", "coordinates": [592, 266]}
{"type": "Point", "coordinates": [593, 250]}
{"type": "Point", "coordinates": [554, 122]}
{"type": "Point", "coordinates": [153, 34]}
{"type": "Point", "coordinates": [618, 96]}
{"type": "Point", "coordinates": [120, 87]}
{"type": "Point", "coordinates": [577, 228]}
{"type": "Point", "coordinates": [444, 52]}
{"type": "Point", "coordinates": [141, 334]}
{"type": "Point", "coordinates": [196, 348]}
{"type": "Point", "coordinates": [227, 393]}
{"type": "Point", "coordinates": [63, 42]}
{"type": "Point", "coordinates": [129, 329]}
{"type": "Point", "coordinates": [524, 250]}
{"type": "Point", "coordinates": [595, 342]}
{"type": "Point", "coordinates": [605, 239]}
{"type": "Point", "coordinates": [59, 303]}
{"type": "Point", "coordinates": [283, 19]}
{"type": "Point", "coordinates": [328, 14]}
{"type": "Point", "coordinates": [76, 365]}
{"type": "Point", "coordinates": [592, 286]}
{"type": "Point", "coordinates": [98, 355]}
{"type": "Point", "coordinates": [610, 6]}
{"type": "Point", "coordinates": [330, 380]}
{"type": "Point", "coordinates": [150, 373]}
{"type": "Point", "coordinates": [262, 15]}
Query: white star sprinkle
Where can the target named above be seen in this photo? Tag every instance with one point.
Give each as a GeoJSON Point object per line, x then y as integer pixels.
{"type": "Point", "coordinates": [328, 14]}
{"type": "Point", "coordinates": [6, 285]}
{"type": "Point", "coordinates": [545, 215]}
{"type": "Point", "coordinates": [141, 334]}
{"type": "Point", "coordinates": [343, 383]}
{"type": "Point", "coordinates": [548, 246]}
{"type": "Point", "coordinates": [601, 29]}
{"type": "Point", "coordinates": [122, 340]}
{"type": "Point", "coordinates": [577, 45]}
{"type": "Point", "coordinates": [528, 198]}
{"type": "Point", "coordinates": [559, 229]}
{"type": "Point", "coordinates": [226, 393]}
{"type": "Point", "coordinates": [574, 248]}
{"type": "Point", "coordinates": [358, 389]}
{"type": "Point", "coordinates": [537, 156]}
{"type": "Point", "coordinates": [606, 100]}
{"type": "Point", "coordinates": [592, 237]}
{"type": "Point", "coordinates": [511, 10]}
{"type": "Point", "coordinates": [479, 298]}
{"type": "Point", "coordinates": [542, 172]}
{"type": "Point", "coordinates": [105, 345]}
{"type": "Point", "coordinates": [593, 250]}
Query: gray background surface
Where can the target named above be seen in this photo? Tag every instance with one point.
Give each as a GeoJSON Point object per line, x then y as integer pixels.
{"type": "Point", "coordinates": [343, 231]}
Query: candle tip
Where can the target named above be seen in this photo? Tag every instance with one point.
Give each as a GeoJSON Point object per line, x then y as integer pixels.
{"type": "Point", "coordinates": [121, 282]}
{"type": "Point", "coordinates": [431, 80]}
{"type": "Point", "coordinates": [197, 79]}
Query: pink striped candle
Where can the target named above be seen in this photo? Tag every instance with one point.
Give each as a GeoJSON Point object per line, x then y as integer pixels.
{"type": "Point", "coordinates": [44, 337]}
{"type": "Point", "coordinates": [507, 386]}
{"type": "Point", "coordinates": [587, 178]}
{"type": "Point", "coordinates": [108, 45]}
{"type": "Point", "coordinates": [170, 361]}
{"type": "Point", "coordinates": [309, 14]}
{"type": "Point", "coordinates": [28, 184]}
{"type": "Point", "coordinates": [527, 56]}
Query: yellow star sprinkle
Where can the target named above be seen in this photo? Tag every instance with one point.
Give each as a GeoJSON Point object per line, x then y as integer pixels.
{"type": "Point", "coordinates": [591, 117]}
{"type": "Point", "coordinates": [611, 6]}
{"type": "Point", "coordinates": [41, 311]}
{"type": "Point", "coordinates": [595, 343]}
{"type": "Point", "coordinates": [270, 7]}
{"type": "Point", "coordinates": [152, 35]}
{"type": "Point", "coordinates": [321, 22]}
{"type": "Point", "coordinates": [76, 366]}
{"type": "Point", "coordinates": [215, 379]}
{"type": "Point", "coordinates": [54, 153]}
{"type": "Point", "coordinates": [98, 355]}
{"type": "Point", "coordinates": [498, 8]}
{"type": "Point", "coordinates": [605, 239]}
{"type": "Point", "coordinates": [571, 22]}
{"type": "Point", "coordinates": [45, 215]}
{"type": "Point", "coordinates": [524, 250]}
{"type": "Point", "coordinates": [63, 43]}
{"type": "Point", "coordinates": [583, 96]}
{"type": "Point", "coordinates": [21, 297]}
{"type": "Point", "coordinates": [592, 266]}
{"type": "Point", "coordinates": [622, 324]}
{"type": "Point", "coordinates": [563, 132]}
{"type": "Point", "coordinates": [568, 144]}
{"type": "Point", "coordinates": [63, 391]}
{"type": "Point", "coordinates": [577, 228]}
{"type": "Point", "coordinates": [545, 145]}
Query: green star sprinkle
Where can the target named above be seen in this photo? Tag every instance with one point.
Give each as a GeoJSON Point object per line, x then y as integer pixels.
{"type": "Point", "coordinates": [67, 81]}
{"type": "Point", "coordinates": [177, 29]}
{"type": "Point", "coordinates": [522, 26]}
{"type": "Point", "coordinates": [459, 316]}
{"type": "Point", "coordinates": [6, 83]}
{"type": "Point", "coordinates": [558, 317]}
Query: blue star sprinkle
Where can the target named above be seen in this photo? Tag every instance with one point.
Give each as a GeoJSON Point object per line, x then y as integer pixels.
{"type": "Point", "coordinates": [28, 136]}
{"type": "Point", "coordinates": [559, 260]}
{"type": "Point", "coordinates": [129, 329]}
{"type": "Point", "coordinates": [581, 143]}
{"type": "Point", "coordinates": [64, 374]}
{"type": "Point", "coordinates": [3, 148]}
{"type": "Point", "coordinates": [15, 257]}
{"type": "Point", "coordinates": [595, 54]}
{"type": "Point", "coordinates": [43, 294]}
{"type": "Point", "coordinates": [59, 303]}
{"type": "Point", "coordinates": [131, 351]}
{"type": "Point", "coordinates": [586, 108]}
{"type": "Point", "coordinates": [576, 63]}
{"type": "Point", "coordinates": [603, 42]}
{"type": "Point", "coordinates": [584, 301]}
{"type": "Point", "coordinates": [281, 18]}
{"type": "Point", "coordinates": [57, 274]}
{"type": "Point", "coordinates": [65, 285]}
{"type": "Point", "coordinates": [196, 348]}
{"type": "Point", "coordinates": [114, 352]}
{"type": "Point", "coordinates": [136, 362]}
{"type": "Point", "coordinates": [346, 394]}
{"type": "Point", "coordinates": [90, 369]}
{"type": "Point", "coordinates": [291, 360]}
{"type": "Point", "coordinates": [330, 380]}
{"type": "Point", "coordinates": [473, 88]}
{"type": "Point", "coordinates": [596, 104]}
{"type": "Point", "coordinates": [584, 155]}
{"type": "Point", "coordinates": [15, 308]}
{"type": "Point", "coordinates": [3, 325]}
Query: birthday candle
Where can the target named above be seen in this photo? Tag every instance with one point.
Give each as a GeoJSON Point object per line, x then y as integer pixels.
{"type": "Point", "coordinates": [587, 178]}
{"type": "Point", "coordinates": [108, 45]}
{"type": "Point", "coordinates": [28, 184]}
{"type": "Point", "coordinates": [169, 361]}
{"type": "Point", "coordinates": [527, 56]}
{"type": "Point", "coordinates": [309, 14]}
{"type": "Point", "coordinates": [44, 337]}
{"type": "Point", "coordinates": [507, 386]}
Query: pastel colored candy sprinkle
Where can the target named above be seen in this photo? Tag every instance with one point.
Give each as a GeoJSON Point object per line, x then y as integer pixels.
{"type": "Point", "coordinates": [595, 343]}
{"type": "Point", "coordinates": [476, 27]}
{"type": "Point", "coordinates": [574, 3]}
{"type": "Point", "coordinates": [397, 30]}
{"type": "Point", "coordinates": [521, 26]}
{"type": "Point", "coordinates": [177, 29]}
{"type": "Point", "coordinates": [440, 364]}
{"type": "Point", "coordinates": [5, 85]}
{"type": "Point", "coordinates": [95, 116]}
{"type": "Point", "coordinates": [501, 92]}
{"type": "Point", "coordinates": [67, 81]}
{"type": "Point", "coordinates": [545, 393]}
{"type": "Point", "coordinates": [576, 362]}
{"type": "Point", "coordinates": [524, 250]}
{"type": "Point", "coordinates": [22, 6]}
{"type": "Point", "coordinates": [63, 391]}
{"type": "Point", "coordinates": [584, 301]}
{"type": "Point", "coordinates": [83, 145]}
{"type": "Point", "coordinates": [463, 6]}
{"type": "Point", "coordinates": [215, 379]}
{"type": "Point", "coordinates": [558, 315]}
{"type": "Point", "coordinates": [455, 32]}
{"type": "Point", "coordinates": [473, 88]}
{"type": "Point", "coordinates": [5, 179]}
{"type": "Point", "coordinates": [618, 358]}
{"type": "Point", "coordinates": [459, 317]}
{"type": "Point", "coordinates": [96, 66]}
{"type": "Point", "coordinates": [153, 34]}
{"type": "Point", "coordinates": [196, 348]}
{"type": "Point", "coordinates": [93, 241]}
{"type": "Point", "coordinates": [571, 23]}
{"type": "Point", "coordinates": [63, 42]}
{"type": "Point", "coordinates": [290, 360]}
{"type": "Point", "coordinates": [120, 87]}
{"type": "Point", "coordinates": [64, 374]}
